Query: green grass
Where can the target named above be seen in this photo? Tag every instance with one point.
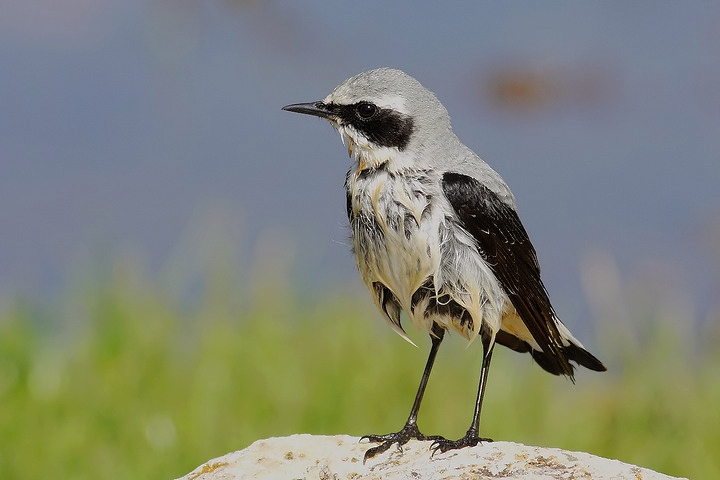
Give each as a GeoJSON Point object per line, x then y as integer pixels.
{"type": "Point", "coordinates": [117, 380]}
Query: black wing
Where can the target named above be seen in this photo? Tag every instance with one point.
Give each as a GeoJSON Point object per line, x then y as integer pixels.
{"type": "Point", "coordinates": [505, 246]}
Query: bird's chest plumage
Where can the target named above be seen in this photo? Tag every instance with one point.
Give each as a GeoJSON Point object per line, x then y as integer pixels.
{"type": "Point", "coordinates": [395, 230]}
{"type": "Point", "coordinates": [413, 255]}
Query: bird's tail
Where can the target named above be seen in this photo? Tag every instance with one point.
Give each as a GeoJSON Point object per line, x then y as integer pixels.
{"type": "Point", "coordinates": [519, 339]}
{"type": "Point", "coordinates": [573, 351]}
{"type": "Point", "coordinates": [579, 355]}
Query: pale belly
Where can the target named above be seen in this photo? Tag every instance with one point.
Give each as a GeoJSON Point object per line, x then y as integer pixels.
{"type": "Point", "coordinates": [412, 257]}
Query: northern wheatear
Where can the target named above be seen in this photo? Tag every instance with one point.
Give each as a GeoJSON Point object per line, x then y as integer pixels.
{"type": "Point", "coordinates": [436, 234]}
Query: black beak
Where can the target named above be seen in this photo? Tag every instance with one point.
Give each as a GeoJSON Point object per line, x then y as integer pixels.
{"type": "Point", "coordinates": [318, 109]}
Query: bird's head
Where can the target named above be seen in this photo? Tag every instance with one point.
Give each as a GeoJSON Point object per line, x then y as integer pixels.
{"type": "Point", "coordinates": [384, 116]}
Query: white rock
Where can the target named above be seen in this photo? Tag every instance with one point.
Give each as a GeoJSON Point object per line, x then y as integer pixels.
{"type": "Point", "coordinates": [339, 457]}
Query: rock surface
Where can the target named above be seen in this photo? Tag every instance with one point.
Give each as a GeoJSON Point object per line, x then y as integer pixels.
{"type": "Point", "coordinates": [315, 457]}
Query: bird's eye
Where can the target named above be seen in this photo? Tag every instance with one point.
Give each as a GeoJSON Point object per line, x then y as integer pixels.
{"type": "Point", "coordinates": [365, 110]}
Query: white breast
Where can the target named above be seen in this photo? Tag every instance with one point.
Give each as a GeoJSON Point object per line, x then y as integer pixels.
{"type": "Point", "coordinates": [404, 236]}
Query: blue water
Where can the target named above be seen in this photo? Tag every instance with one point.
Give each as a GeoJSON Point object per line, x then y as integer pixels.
{"type": "Point", "coordinates": [156, 128]}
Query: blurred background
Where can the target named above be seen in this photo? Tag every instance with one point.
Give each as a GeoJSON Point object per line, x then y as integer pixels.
{"type": "Point", "coordinates": [175, 279]}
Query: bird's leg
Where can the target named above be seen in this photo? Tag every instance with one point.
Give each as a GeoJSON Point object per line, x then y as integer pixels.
{"type": "Point", "coordinates": [471, 438]}
{"type": "Point", "coordinates": [410, 430]}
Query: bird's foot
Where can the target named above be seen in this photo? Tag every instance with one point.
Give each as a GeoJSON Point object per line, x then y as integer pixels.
{"type": "Point", "coordinates": [408, 432]}
{"type": "Point", "coordinates": [469, 440]}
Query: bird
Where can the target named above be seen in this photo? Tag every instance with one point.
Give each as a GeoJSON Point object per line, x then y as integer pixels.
{"type": "Point", "coordinates": [436, 234]}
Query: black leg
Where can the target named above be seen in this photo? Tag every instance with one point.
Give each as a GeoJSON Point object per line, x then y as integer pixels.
{"type": "Point", "coordinates": [471, 438]}
{"type": "Point", "coordinates": [410, 430]}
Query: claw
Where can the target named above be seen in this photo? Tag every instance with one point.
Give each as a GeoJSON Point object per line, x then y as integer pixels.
{"type": "Point", "coordinates": [371, 452]}
{"type": "Point", "coordinates": [377, 438]}
{"type": "Point", "coordinates": [408, 432]}
{"type": "Point", "coordinates": [469, 440]}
